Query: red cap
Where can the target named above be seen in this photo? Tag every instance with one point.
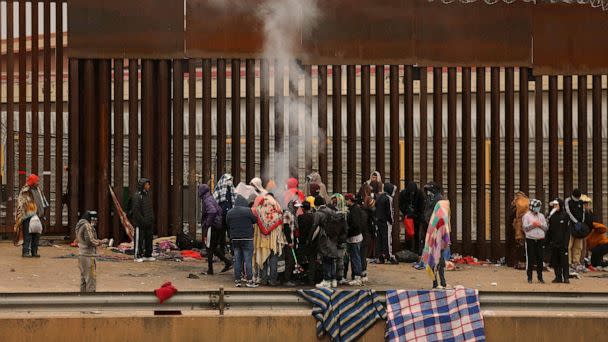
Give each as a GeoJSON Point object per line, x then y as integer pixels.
{"type": "Point", "coordinates": [350, 197]}
{"type": "Point", "coordinates": [32, 179]}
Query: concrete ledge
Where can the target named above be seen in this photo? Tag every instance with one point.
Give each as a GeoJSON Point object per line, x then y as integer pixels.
{"type": "Point", "coordinates": [276, 327]}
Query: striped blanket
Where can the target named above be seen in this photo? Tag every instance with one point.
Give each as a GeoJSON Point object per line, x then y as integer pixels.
{"type": "Point", "coordinates": [344, 315]}
{"type": "Point", "coordinates": [451, 315]}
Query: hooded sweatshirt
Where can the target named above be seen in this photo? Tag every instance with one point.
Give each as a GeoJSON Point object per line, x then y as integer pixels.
{"type": "Point", "coordinates": [87, 238]}
{"type": "Point", "coordinates": [211, 213]}
{"type": "Point", "coordinates": [384, 205]}
{"type": "Point", "coordinates": [293, 192]}
{"type": "Point", "coordinates": [558, 235]}
{"type": "Point", "coordinates": [315, 186]}
{"type": "Point", "coordinates": [240, 220]}
{"type": "Point", "coordinates": [411, 201]}
{"type": "Point", "coordinates": [432, 196]}
{"type": "Point", "coordinates": [142, 210]}
{"type": "Point", "coordinates": [574, 209]}
{"type": "Point", "coordinates": [377, 174]}
{"type": "Point", "coordinates": [534, 232]}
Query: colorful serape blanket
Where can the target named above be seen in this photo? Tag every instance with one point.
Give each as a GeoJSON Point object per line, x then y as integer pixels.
{"type": "Point", "coordinates": [451, 315]}
{"type": "Point", "coordinates": [344, 315]}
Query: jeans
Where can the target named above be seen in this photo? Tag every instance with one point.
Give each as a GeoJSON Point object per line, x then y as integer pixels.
{"type": "Point", "coordinates": [243, 255]}
{"type": "Point", "coordinates": [271, 263]}
{"type": "Point", "coordinates": [354, 251]}
{"type": "Point", "coordinates": [329, 268]}
{"type": "Point", "coordinates": [597, 255]}
{"type": "Point", "coordinates": [341, 270]}
{"type": "Point", "coordinates": [30, 241]}
{"type": "Point", "coordinates": [363, 255]}
{"type": "Point", "coordinates": [290, 263]}
{"type": "Point", "coordinates": [441, 271]}
{"type": "Point", "coordinates": [534, 256]}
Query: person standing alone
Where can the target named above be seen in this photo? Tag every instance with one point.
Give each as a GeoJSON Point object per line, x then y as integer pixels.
{"type": "Point", "coordinates": [86, 235]}
{"type": "Point", "coordinates": [142, 216]}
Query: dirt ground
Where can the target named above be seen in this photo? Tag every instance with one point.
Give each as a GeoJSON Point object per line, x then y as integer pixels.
{"type": "Point", "coordinates": [50, 273]}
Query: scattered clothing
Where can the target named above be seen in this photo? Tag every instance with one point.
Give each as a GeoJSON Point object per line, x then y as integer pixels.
{"type": "Point", "coordinates": [451, 315]}
{"type": "Point", "coordinates": [191, 254]}
{"type": "Point", "coordinates": [344, 315]}
{"type": "Point", "coordinates": [166, 291]}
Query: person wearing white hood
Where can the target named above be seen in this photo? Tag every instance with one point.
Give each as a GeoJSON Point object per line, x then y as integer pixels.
{"type": "Point", "coordinates": [256, 183]}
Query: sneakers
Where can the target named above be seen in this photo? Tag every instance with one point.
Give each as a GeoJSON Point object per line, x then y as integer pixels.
{"type": "Point", "coordinates": [150, 259]}
{"type": "Point", "coordinates": [139, 260]}
{"type": "Point", "coordinates": [364, 280]}
{"type": "Point", "coordinates": [237, 283]}
{"type": "Point", "coordinates": [439, 287]}
{"type": "Point", "coordinates": [356, 282]}
{"type": "Point", "coordinates": [334, 283]}
{"type": "Point", "coordinates": [290, 284]}
{"type": "Point", "coordinates": [251, 284]}
{"type": "Point", "coordinates": [343, 281]}
{"type": "Point", "coordinates": [324, 284]}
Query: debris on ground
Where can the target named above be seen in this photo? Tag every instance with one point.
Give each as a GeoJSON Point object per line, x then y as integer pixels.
{"type": "Point", "coordinates": [193, 276]}
{"type": "Point", "coordinates": [406, 256]}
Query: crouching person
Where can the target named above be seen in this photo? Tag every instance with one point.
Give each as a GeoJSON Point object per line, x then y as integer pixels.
{"type": "Point", "coordinates": [86, 236]}
{"type": "Point", "coordinates": [240, 221]}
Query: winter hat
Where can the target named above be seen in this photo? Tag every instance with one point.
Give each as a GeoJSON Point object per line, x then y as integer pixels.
{"type": "Point", "coordinates": [311, 200]}
{"type": "Point", "coordinates": [349, 197]}
{"type": "Point", "coordinates": [585, 199]}
{"type": "Point", "coordinates": [576, 193]}
{"type": "Point", "coordinates": [32, 179]}
{"type": "Point", "coordinates": [535, 204]}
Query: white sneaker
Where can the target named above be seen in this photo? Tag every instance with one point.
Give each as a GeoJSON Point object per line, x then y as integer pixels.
{"type": "Point", "coordinates": [364, 280]}
{"type": "Point", "coordinates": [150, 259]}
{"type": "Point", "coordinates": [139, 260]}
{"type": "Point", "coordinates": [343, 281]}
{"type": "Point", "coordinates": [356, 282]}
{"type": "Point", "coordinates": [324, 284]}
{"type": "Point", "coordinates": [251, 284]}
{"type": "Point", "coordinates": [334, 283]}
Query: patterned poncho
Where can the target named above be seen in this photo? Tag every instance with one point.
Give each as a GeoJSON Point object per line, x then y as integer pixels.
{"type": "Point", "coordinates": [437, 236]}
{"type": "Point", "coordinates": [268, 212]}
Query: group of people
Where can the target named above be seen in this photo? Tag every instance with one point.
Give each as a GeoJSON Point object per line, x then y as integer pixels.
{"type": "Point", "coordinates": [319, 236]}
{"type": "Point", "coordinates": [566, 229]}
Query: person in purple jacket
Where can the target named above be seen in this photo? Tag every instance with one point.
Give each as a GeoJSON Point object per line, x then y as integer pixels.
{"type": "Point", "coordinates": [211, 219]}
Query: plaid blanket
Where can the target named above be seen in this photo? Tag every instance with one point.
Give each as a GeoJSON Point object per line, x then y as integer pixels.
{"type": "Point", "coordinates": [437, 236]}
{"type": "Point", "coordinates": [451, 315]}
{"type": "Point", "coordinates": [223, 188]}
{"type": "Point", "coordinates": [344, 315]}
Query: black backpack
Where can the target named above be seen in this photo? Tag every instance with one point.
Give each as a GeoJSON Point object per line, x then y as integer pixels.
{"type": "Point", "coordinates": [185, 242]}
{"type": "Point", "coordinates": [335, 226]}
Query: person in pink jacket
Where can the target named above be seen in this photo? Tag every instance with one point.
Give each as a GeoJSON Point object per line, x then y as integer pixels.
{"type": "Point", "coordinates": [535, 227]}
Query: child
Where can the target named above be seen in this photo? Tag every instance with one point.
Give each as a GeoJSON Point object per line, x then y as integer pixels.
{"type": "Point", "coordinates": [437, 243]}
{"type": "Point", "coordinates": [535, 228]}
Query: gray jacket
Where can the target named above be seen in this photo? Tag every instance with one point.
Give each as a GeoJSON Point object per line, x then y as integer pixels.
{"type": "Point", "coordinates": [87, 238]}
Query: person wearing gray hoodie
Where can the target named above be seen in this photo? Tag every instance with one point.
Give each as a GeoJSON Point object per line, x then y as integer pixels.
{"type": "Point", "coordinates": [86, 235]}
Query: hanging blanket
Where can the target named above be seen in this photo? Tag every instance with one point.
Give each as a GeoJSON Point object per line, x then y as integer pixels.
{"type": "Point", "coordinates": [344, 315]}
{"type": "Point", "coordinates": [451, 315]}
{"type": "Point", "coordinates": [437, 236]}
{"type": "Point", "coordinates": [268, 212]}
{"type": "Point", "coordinates": [264, 245]}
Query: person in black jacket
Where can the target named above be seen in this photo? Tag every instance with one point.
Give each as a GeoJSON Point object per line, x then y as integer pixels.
{"type": "Point", "coordinates": [306, 250]}
{"type": "Point", "coordinates": [330, 231]}
{"type": "Point", "coordinates": [411, 205]}
{"type": "Point", "coordinates": [240, 221]}
{"type": "Point", "coordinates": [574, 208]}
{"type": "Point", "coordinates": [384, 220]}
{"type": "Point", "coordinates": [558, 237]}
{"type": "Point", "coordinates": [356, 222]}
{"type": "Point", "coordinates": [142, 217]}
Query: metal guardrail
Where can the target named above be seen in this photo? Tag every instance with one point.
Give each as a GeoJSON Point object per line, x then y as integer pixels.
{"type": "Point", "coordinates": [221, 300]}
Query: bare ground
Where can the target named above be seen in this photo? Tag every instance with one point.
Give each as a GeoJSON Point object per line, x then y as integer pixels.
{"type": "Point", "coordinates": [53, 274]}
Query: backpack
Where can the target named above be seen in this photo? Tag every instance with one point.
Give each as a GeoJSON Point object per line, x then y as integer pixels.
{"type": "Point", "coordinates": [581, 230]}
{"type": "Point", "coordinates": [335, 226]}
{"type": "Point", "coordinates": [185, 242]}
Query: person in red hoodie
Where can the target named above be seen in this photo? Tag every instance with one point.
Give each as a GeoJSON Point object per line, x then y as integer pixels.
{"type": "Point", "coordinates": [293, 192]}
